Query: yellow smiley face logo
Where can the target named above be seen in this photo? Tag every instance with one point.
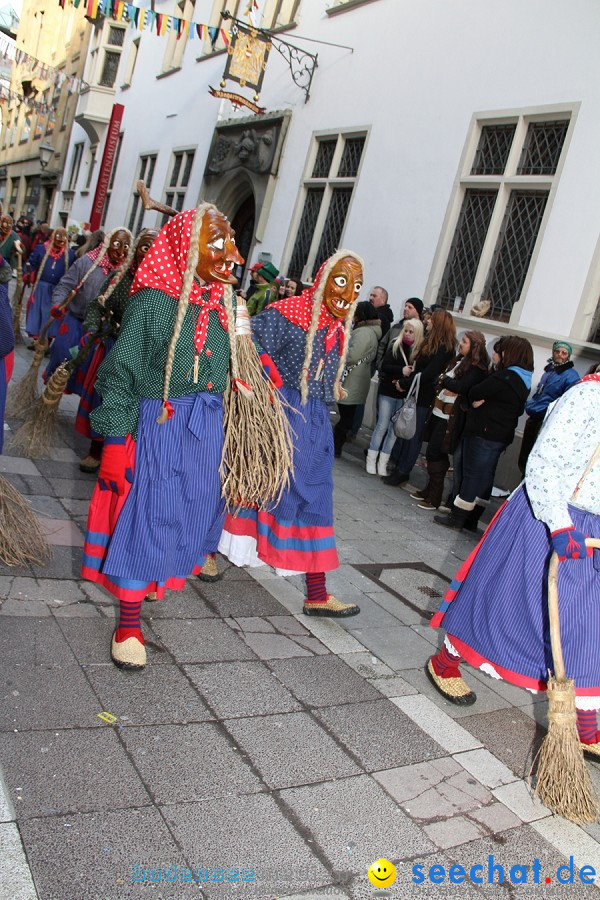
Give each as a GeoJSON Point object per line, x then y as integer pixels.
{"type": "Point", "coordinates": [382, 873]}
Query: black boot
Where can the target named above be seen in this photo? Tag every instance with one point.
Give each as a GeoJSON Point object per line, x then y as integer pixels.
{"type": "Point", "coordinates": [472, 520]}
{"type": "Point", "coordinates": [395, 478]}
{"type": "Point", "coordinates": [456, 519]}
{"type": "Point", "coordinates": [437, 472]}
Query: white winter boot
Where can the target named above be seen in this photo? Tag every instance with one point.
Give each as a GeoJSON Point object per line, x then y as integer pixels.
{"type": "Point", "coordinates": [382, 463]}
{"type": "Point", "coordinates": [372, 462]}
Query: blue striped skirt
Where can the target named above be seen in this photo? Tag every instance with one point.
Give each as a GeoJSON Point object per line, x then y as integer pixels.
{"type": "Point", "coordinates": [38, 312]}
{"type": "Point", "coordinates": [296, 534]}
{"type": "Point", "coordinates": [496, 610]}
{"type": "Point", "coordinates": [172, 515]}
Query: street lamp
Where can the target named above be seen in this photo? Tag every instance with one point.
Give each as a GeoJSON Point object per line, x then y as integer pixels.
{"type": "Point", "coordinates": [46, 154]}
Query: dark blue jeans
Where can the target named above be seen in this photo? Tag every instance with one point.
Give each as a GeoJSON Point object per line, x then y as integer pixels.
{"type": "Point", "coordinates": [479, 460]}
{"type": "Point", "coordinates": [405, 453]}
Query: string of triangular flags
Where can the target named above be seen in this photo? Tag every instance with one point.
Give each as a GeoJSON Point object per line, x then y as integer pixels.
{"type": "Point", "coordinates": [8, 50]}
{"type": "Point", "coordinates": [35, 105]}
{"type": "Point", "coordinates": [142, 19]}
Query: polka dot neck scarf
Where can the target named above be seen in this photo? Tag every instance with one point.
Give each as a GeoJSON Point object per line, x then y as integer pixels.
{"type": "Point", "coordinates": [298, 310]}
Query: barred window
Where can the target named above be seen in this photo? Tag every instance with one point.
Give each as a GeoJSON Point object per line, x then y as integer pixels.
{"type": "Point", "coordinates": [492, 151]}
{"type": "Point", "coordinates": [465, 253]}
{"type": "Point", "coordinates": [145, 173]}
{"type": "Point", "coordinates": [111, 181]}
{"type": "Point", "coordinates": [543, 147]}
{"type": "Point", "coordinates": [497, 223]}
{"type": "Point", "coordinates": [181, 169]}
{"type": "Point", "coordinates": [109, 70]}
{"type": "Point", "coordinates": [332, 170]}
{"type": "Point", "coordinates": [514, 248]}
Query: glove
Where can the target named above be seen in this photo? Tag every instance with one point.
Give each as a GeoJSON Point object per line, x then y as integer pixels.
{"type": "Point", "coordinates": [271, 370]}
{"type": "Point", "coordinates": [570, 544]}
{"type": "Point", "coordinates": [56, 312]}
{"type": "Point", "coordinates": [115, 470]}
{"type": "Point", "coordinates": [85, 340]}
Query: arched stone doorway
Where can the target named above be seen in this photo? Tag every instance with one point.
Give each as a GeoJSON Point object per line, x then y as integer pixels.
{"type": "Point", "coordinates": [243, 225]}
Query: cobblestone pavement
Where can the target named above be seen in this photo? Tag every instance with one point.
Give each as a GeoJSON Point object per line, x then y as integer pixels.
{"type": "Point", "coordinates": [272, 746]}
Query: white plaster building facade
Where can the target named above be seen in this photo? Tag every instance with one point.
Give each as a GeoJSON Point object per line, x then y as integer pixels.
{"type": "Point", "coordinates": [453, 145]}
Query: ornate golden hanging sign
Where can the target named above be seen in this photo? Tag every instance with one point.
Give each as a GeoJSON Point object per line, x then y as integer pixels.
{"type": "Point", "coordinates": [247, 56]}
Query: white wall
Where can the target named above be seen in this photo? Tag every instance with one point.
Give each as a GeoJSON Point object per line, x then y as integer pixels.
{"type": "Point", "coordinates": [418, 73]}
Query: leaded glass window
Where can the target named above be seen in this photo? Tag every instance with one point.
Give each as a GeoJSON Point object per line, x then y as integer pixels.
{"type": "Point", "coordinates": [145, 173]}
{"type": "Point", "coordinates": [324, 158]}
{"type": "Point", "coordinates": [350, 162]}
{"type": "Point", "coordinates": [334, 225]}
{"type": "Point", "coordinates": [326, 201]}
{"type": "Point", "coordinates": [306, 229]}
{"type": "Point", "coordinates": [109, 70]}
{"type": "Point", "coordinates": [465, 252]}
{"type": "Point", "coordinates": [513, 251]}
{"type": "Point", "coordinates": [542, 148]}
{"type": "Point", "coordinates": [493, 148]}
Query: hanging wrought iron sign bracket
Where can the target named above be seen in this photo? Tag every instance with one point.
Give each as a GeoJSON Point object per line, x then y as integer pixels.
{"type": "Point", "coordinates": [302, 64]}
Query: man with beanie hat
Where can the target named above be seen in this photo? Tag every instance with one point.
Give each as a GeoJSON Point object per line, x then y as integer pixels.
{"type": "Point", "coordinates": [266, 289]}
{"type": "Point", "coordinates": [413, 309]}
{"type": "Point", "coordinates": [559, 375]}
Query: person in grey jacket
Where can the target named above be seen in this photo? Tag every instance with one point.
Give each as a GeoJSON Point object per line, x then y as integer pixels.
{"type": "Point", "coordinates": [362, 351]}
{"type": "Point", "coordinates": [82, 284]}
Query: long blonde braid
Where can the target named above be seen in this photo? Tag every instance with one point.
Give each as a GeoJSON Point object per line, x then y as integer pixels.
{"type": "Point", "coordinates": [184, 299]}
{"type": "Point", "coordinates": [228, 303]}
{"type": "Point", "coordinates": [316, 311]}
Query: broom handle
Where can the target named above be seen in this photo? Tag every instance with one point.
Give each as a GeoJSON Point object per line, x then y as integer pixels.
{"type": "Point", "coordinates": [149, 203]}
{"type": "Point", "coordinates": [557, 654]}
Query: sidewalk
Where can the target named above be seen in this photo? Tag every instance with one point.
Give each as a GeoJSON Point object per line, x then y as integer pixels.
{"type": "Point", "coordinates": [286, 751]}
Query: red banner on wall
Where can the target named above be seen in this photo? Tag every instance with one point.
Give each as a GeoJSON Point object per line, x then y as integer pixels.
{"type": "Point", "coordinates": [108, 158]}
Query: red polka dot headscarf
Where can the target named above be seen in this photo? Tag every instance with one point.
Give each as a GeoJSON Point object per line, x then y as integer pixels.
{"type": "Point", "coordinates": [164, 265]}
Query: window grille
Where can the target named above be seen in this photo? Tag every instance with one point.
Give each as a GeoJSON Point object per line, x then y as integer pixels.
{"type": "Point", "coordinates": [350, 162]}
{"type": "Point", "coordinates": [542, 149]}
{"type": "Point", "coordinates": [465, 252]}
{"type": "Point", "coordinates": [116, 36]}
{"type": "Point", "coordinates": [306, 229]}
{"type": "Point", "coordinates": [110, 68]}
{"type": "Point", "coordinates": [493, 148]}
{"type": "Point", "coordinates": [75, 165]}
{"type": "Point", "coordinates": [334, 225]}
{"type": "Point", "coordinates": [324, 158]}
{"type": "Point", "coordinates": [513, 251]}
{"type": "Point", "coordinates": [145, 173]}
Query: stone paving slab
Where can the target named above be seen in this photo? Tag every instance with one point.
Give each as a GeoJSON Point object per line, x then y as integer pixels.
{"type": "Point", "coordinates": [241, 689]}
{"type": "Point", "coordinates": [252, 833]}
{"type": "Point", "coordinates": [167, 758]}
{"type": "Point", "coordinates": [158, 695]}
{"type": "Point", "coordinates": [325, 681]}
{"type": "Point", "coordinates": [58, 697]}
{"type": "Point", "coordinates": [201, 640]}
{"type": "Point", "coordinates": [40, 784]}
{"type": "Point", "coordinates": [379, 734]}
{"type": "Point", "coordinates": [19, 886]}
{"type": "Point", "coordinates": [352, 841]}
{"type": "Point", "coordinates": [291, 749]}
{"type": "Point", "coordinates": [93, 855]}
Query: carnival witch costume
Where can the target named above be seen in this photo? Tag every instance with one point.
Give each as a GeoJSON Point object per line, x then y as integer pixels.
{"type": "Point", "coordinates": [86, 276]}
{"type": "Point", "coordinates": [304, 342]}
{"type": "Point", "coordinates": [103, 317]}
{"type": "Point", "coordinates": [48, 263]}
{"type": "Point", "coordinates": [158, 507]}
{"type": "Point", "coordinates": [554, 509]}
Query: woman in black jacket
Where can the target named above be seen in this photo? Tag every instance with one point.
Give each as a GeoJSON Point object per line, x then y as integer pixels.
{"type": "Point", "coordinates": [436, 352]}
{"type": "Point", "coordinates": [445, 426]}
{"type": "Point", "coordinates": [496, 404]}
{"type": "Point", "coordinates": [396, 363]}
